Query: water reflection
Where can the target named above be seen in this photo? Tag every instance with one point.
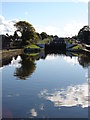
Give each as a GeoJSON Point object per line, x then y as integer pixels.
{"type": "Point", "coordinates": [58, 87]}
{"type": "Point", "coordinates": [84, 60]}
{"type": "Point", "coordinates": [69, 97]}
{"type": "Point", "coordinates": [33, 112]}
{"type": "Point", "coordinates": [28, 66]}
{"type": "Point", "coordinates": [26, 63]}
{"type": "Point", "coordinates": [73, 60]}
{"type": "Point", "coordinates": [16, 62]}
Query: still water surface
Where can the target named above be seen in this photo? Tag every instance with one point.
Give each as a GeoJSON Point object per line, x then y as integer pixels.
{"type": "Point", "coordinates": [53, 87]}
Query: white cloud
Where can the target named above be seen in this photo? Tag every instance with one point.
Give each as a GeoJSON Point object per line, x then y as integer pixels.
{"type": "Point", "coordinates": [70, 60]}
{"type": "Point", "coordinates": [16, 63]}
{"type": "Point", "coordinates": [52, 30]}
{"type": "Point", "coordinates": [73, 28]}
{"type": "Point", "coordinates": [72, 96]}
{"type": "Point", "coordinates": [51, 57]}
{"type": "Point", "coordinates": [41, 107]}
{"type": "Point", "coordinates": [33, 112]}
{"type": "Point", "coordinates": [7, 26]}
{"type": "Point", "coordinates": [1, 19]}
{"type": "Point", "coordinates": [68, 30]}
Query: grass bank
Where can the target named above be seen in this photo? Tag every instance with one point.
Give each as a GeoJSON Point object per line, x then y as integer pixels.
{"type": "Point", "coordinates": [4, 54]}
{"type": "Point", "coordinates": [31, 48]}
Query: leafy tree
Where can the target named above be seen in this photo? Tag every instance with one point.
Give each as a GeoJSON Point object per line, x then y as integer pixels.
{"type": "Point", "coordinates": [75, 37]}
{"type": "Point", "coordinates": [51, 36]}
{"type": "Point", "coordinates": [15, 35]}
{"type": "Point", "coordinates": [44, 35]}
{"type": "Point", "coordinates": [39, 36]}
{"type": "Point", "coordinates": [56, 36]}
{"type": "Point", "coordinates": [84, 34]}
{"type": "Point", "coordinates": [28, 34]}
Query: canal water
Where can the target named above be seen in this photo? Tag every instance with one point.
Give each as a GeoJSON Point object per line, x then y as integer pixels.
{"type": "Point", "coordinates": [50, 86]}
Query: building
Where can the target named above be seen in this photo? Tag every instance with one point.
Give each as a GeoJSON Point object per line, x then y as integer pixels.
{"type": "Point", "coordinates": [58, 40]}
{"type": "Point", "coordinates": [4, 42]}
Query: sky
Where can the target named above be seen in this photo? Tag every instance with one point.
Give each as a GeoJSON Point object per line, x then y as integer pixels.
{"type": "Point", "coordinates": [64, 19]}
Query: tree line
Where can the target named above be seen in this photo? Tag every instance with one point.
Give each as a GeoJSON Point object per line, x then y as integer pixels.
{"type": "Point", "coordinates": [26, 34]}
{"type": "Point", "coordinates": [83, 35]}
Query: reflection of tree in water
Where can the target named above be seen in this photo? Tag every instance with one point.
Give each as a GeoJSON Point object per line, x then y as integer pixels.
{"type": "Point", "coordinates": [28, 66]}
{"type": "Point", "coordinates": [84, 60]}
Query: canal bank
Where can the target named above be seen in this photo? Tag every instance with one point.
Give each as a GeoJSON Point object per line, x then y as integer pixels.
{"type": "Point", "coordinates": [6, 55]}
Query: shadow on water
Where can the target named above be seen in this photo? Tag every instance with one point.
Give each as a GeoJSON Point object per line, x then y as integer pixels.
{"type": "Point", "coordinates": [84, 60]}
{"type": "Point", "coordinates": [28, 64]}
{"type": "Point", "coordinates": [27, 67]}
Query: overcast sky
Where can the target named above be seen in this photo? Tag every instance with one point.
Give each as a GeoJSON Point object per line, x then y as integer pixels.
{"type": "Point", "coordinates": [57, 18]}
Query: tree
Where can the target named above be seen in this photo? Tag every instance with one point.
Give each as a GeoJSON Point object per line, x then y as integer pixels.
{"type": "Point", "coordinates": [15, 35]}
{"type": "Point", "coordinates": [84, 34]}
{"type": "Point", "coordinates": [28, 34]}
{"type": "Point", "coordinates": [39, 36]}
{"type": "Point", "coordinates": [44, 35]}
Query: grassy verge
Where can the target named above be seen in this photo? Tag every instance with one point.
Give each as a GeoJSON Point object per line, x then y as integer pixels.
{"type": "Point", "coordinates": [5, 54]}
{"type": "Point", "coordinates": [33, 47]}
{"type": "Point", "coordinates": [78, 47]}
{"type": "Point", "coordinates": [33, 54]}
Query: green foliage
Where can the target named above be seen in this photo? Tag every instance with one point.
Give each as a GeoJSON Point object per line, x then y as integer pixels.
{"type": "Point", "coordinates": [69, 41]}
{"type": "Point", "coordinates": [24, 26]}
{"type": "Point", "coordinates": [39, 36]}
{"type": "Point", "coordinates": [32, 47]}
{"type": "Point", "coordinates": [44, 35]}
{"type": "Point", "coordinates": [76, 47]}
{"type": "Point", "coordinates": [28, 34]}
{"type": "Point", "coordinates": [33, 54]}
{"type": "Point", "coordinates": [75, 37]}
{"type": "Point", "coordinates": [15, 35]}
{"type": "Point", "coordinates": [27, 68]}
{"type": "Point", "coordinates": [84, 34]}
